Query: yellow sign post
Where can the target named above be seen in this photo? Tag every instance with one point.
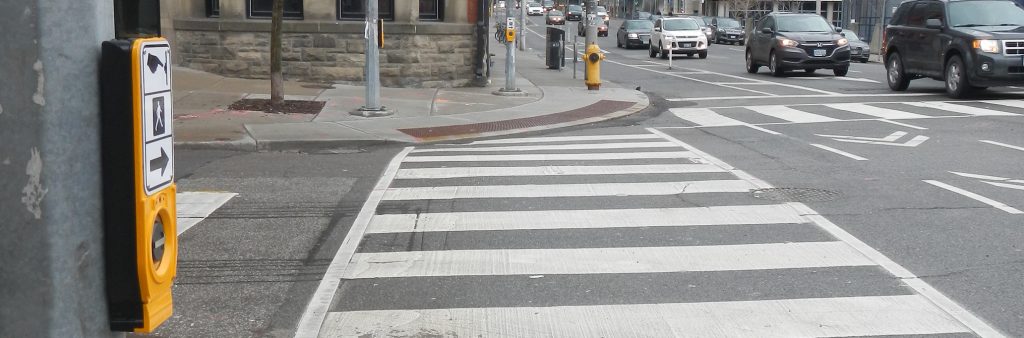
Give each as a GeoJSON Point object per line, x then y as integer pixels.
{"type": "Point", "coordinates": [155, 208]}
{"type": "Point", "coordinates": [140, 216]}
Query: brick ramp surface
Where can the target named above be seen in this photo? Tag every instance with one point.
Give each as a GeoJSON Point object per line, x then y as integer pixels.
{"type": "Point", "coordinates": [599, 108]}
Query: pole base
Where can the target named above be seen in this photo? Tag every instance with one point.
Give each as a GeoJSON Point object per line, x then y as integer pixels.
{"type": "Point", "coordinates": [372, 112]}
{"type": "Point", "coordinates": [594, 86]}
{"type": "Point", "coordinates": [513, 92]}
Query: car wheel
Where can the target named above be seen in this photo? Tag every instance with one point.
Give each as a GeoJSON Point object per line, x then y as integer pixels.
{"type": "Point", "coordinates": [741, 43]}
{"type": "Point", "coordinates": [752, 66]}
{"type": "Point", "coordinates": [775, 66]}
{"type": "Point", "coordinates": [650, 49]}
{"type": "Point", "coordinates": [664, 53]}
{"type": "Point", "coordinates": [703, 55]}
{"type": "Point", "coordinates": [897, 78]}
{"type": "Point", "coordinates": [841, 71]}
{"type": "Point", "coordinates": [863, 60]}
{"type": "Point", "coordinates": [810, 70]}
{"type": "Point", "coordinates": [956, 79]}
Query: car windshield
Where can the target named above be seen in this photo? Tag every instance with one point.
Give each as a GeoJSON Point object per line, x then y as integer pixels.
{"type": "Point", "coordinates": [575, 8]}
{"type": "Point", "coordinates": [601, 9]}
{"type": "Point", "coordinates": [680, 25]}
{"type": "Point", "coordinates": [639, 24]}
{"type": "Point", "coordinates": [534, 4]}
{"type": "Point", "coordinates": [985, 13]}
{"type": "Point", "coordinates": [803, 24]}
{"type": "Point", "coordinates": [554, 13]}
{"type": "Point", "coordinates": [728, 23]}
{"type": "Point", "coordinates": [851, 35]}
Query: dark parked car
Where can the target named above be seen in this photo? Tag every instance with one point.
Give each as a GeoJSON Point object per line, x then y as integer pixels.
{"type": "Point", "coordinates": [554, 17]}
{"type": "Point", "coordinates": [859, 50]}
{"type": "Point", "coordinates": [602, 28]}
{"type": "Point", "coordinates": [726, 30]}
{"type": "Point", "coordinates": [574, 13]}
{"type": "Point", "coordinates": [634, 33]}
{"type": "Point", "coordinates": [969, 44]}
{"type": "Point", "coordinates": [786, 41]}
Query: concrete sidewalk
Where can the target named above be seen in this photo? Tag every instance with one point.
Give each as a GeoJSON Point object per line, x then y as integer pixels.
{"type": "Point", "coordinates": [554, 100]}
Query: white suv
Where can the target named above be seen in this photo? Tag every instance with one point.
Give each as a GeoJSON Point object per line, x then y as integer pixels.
{"type": "Point", "coordinates": [535, 9]}
{"type": "Point", "coordinates": [681, 35]}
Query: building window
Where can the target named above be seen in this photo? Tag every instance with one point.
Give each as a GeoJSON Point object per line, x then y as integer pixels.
{"type": "Point", "coordinates": [432, 10]}
{"type": "Point", "coordinates": [212, 8]}
{"type": "Point", "coordinates": [265, 8]}
{"type": "Point", "coordinates": [354, 10]}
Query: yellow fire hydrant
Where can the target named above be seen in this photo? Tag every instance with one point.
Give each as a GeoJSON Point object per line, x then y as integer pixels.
{"type": "Point", "coordinates": [593, 57]}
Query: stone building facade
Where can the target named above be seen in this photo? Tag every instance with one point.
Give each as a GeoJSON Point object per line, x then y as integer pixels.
{"type": "Point", "coordinates": [428, 43]}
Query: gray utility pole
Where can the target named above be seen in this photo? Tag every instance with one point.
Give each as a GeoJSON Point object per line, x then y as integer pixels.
{"type": "Point", "coordinates": [372, 106]}
{"type": "Point", "coordinates": [521, 38]}
{"type": "Point", "coordinates": [591, 23]}
{"type": "Point", "coordinates": [510, 88]}
{"type": "Point", "coordinates": [51, 198]}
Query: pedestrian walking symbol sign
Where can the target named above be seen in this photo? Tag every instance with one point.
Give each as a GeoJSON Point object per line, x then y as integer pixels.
{"type": "Point", "coordinates": [159, 123]}
{"type": "Point", "coordinates": [157, 116]}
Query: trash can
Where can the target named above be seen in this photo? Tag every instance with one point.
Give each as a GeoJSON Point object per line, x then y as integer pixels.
{"type": "Point", "coordinates": [555, 50]}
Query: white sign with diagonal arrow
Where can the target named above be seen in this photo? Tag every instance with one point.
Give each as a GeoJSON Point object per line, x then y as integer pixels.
{"type": "Point", "coordinates": [890, 140]}
{"type": "Point", "coordinates": [157, 116]}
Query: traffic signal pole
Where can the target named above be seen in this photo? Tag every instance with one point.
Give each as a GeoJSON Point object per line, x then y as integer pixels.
{"type": "Point", "coordinates": [52, 269]}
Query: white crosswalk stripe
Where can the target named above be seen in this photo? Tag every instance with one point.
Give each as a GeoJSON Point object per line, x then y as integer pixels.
{"type": "Point", "coordinates": [817, 113]}
{"type": "Point", "coordinates": [420, 201]}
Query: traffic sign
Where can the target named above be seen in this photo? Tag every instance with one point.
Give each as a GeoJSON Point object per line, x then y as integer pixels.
{"type": "Point", "coordinates": [156, 115]}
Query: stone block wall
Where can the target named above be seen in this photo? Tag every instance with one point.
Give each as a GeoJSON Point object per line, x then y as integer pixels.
{"type": "Point", "coordinates": [414, 55]}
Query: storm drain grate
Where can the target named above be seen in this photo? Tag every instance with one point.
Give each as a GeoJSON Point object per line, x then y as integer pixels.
{"type": "Point", "coordinates": [796, 194]}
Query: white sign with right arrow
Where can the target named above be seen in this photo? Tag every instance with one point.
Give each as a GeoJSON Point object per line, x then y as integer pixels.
{"type": "Point", "coordinates": [157, 116]}
{"type": "Point", "coordinates": [890, 140]}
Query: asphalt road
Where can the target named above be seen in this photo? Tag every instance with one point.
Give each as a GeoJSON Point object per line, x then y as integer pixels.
{"type": "Point", "coordinates": [738, 204]}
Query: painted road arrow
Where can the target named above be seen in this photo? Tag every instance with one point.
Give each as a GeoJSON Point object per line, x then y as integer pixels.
{"type": "Point", "coordinates": [1001, 182]}
{"type": "Point", "coordinates": [886, 141]}
{"type": "Point", "coordinates": [159, 162]}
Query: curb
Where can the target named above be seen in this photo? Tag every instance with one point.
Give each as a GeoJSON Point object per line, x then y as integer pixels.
{"type": "Point", "coordinates": [252, 145]}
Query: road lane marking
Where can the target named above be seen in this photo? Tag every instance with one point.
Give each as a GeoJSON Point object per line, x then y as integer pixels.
{"type": "Point", "coordinates": [1006, 185]}
{"type": "Point", "coordinates": [903, 124]}
{"type": "Point", "coordinates": [885, 113]}
{"type": "Point", "coordinates": [567, 139]}
{"type": "Point", "coordinates": [1003, 145]}
{"type": "Point", "coordinates": [980, 177]}
{"type": "Point", "coordinates": [979, 326]}
{"type": "Point", "coordinates": [584, 219]}
{"type": "Point", "coordinates": [812, 96]}
{"type": "Point", "coordinates": [746, 78]}
{"type": "Point", "coordinates": [845, 316]}
{"type": "Point", "coordinates": [566, 190]}
{"type": "Point", "coordinates": [959, 108]}
{"type": "Point", "coordinates": [976, 197]}
{"type": "Point", "coordinates": [790, 114]}
{"type": "Point", "coordinates": [855, 79]}
{"type": "Point", "coordinates": [551, 157]}
{"type": "Point", "coordinates": [504, 262]}
{"type": "Point", "coordinates": [582, 146]}
{"type": "Point", "coordinates": [705, 117]}
{"type": "Point", "coordinates": [840, 152]}
{"type": "Point", "coordinates": [316, 310]}
{"type": "Point", "coordinates": [459, 172]}
{"type": "Point", "coordinates": [691, 78]}
{"type": "Point", "coordinates": [1007, 103]}
{"type": "Point", "coordinates": [195, 206]}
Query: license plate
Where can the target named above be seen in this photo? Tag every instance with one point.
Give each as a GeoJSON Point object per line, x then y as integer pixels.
{"type": "Point", "coordinates": [687, 45]}
{"type": "Point", "coordinates": [732, 36]}
{"type": "Point", "coordinates": [819, 52]}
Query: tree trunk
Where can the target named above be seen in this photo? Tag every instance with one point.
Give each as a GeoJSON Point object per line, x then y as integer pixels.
{"type": "Point", "coordinates": [276, 76]}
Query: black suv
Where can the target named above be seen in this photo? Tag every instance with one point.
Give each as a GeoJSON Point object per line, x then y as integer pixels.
{"type": "Point", "coordinates": [788, 41]}
{"type": "Point", "coordinates": [969, 44]}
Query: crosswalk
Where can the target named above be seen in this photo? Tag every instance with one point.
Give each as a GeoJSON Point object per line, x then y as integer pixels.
{"type": "Point", "coordinates": [637, 235]}
{"type": "Point", "coordinates": [833, 112]}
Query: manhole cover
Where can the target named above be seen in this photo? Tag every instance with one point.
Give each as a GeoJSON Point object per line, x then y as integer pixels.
{"type": "Point", "coordinates": [796, 194]}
